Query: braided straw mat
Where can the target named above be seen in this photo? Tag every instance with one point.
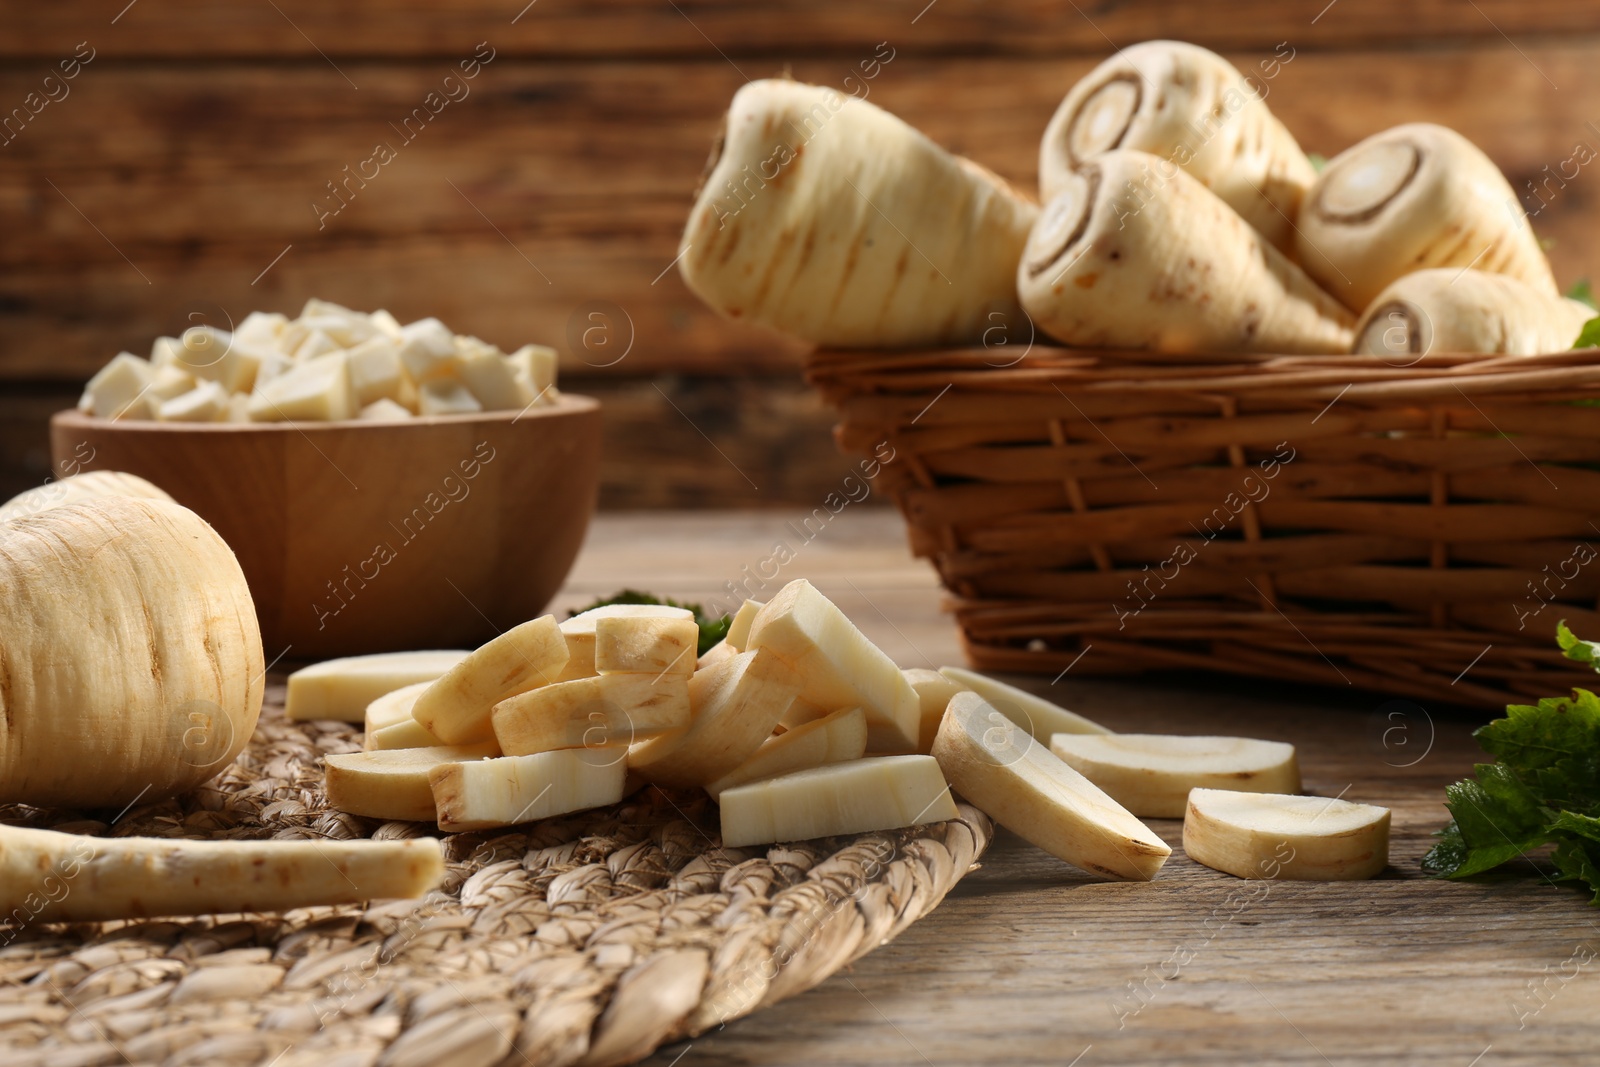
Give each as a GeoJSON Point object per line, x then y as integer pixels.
{"type": "Point", "coordinates": [587, 939]}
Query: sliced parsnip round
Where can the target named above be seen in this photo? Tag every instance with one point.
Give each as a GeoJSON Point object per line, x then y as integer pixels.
{"type": "Point", "coordinates": [1450, 310]}
{"type": "Point", "coordinates": [934, 691]}
{"type": "Point", "coordinates": [579, 632]}
{"type": "Point", "coordinates": [1186, 104]}
{"type": "Point", "coordinates": [877, 793]}
{"type": "Point", "coordinates": [1409, 198]}
{"type": "Point", "coordinates": [344, 688]}
{"type": "Point", "coordinates": [1151, 774]}
{"type": "Point", "coordinates": [78, 487]}
{"type": "Point", "coordinates": [393, 709]}
{"type": "Point", "coordinates": [831, 739]}
{"type": "Point", "coordinates": [1135, 253]}
{"type": "Point", "coordinates": [1042, 719]}
{"type": "Point", "coordinates": [1006, 774]}
{"type": "Point", "coordinates": [457, 708]}
{"type": "Point", "coordinates": [393, 783]}
{"type": "Point", "coordinates": [1268, 835]}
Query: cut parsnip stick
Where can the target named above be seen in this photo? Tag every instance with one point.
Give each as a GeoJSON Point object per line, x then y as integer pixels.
{"type": "Point", "coordinates": [1042, 719]}
{"type": "Point", "coordinates": [636, 645]}
{"type": "Point", "coordinates": [715, 655]}
{"type": "Point", "coordinates": [802, 712]}
{"type": "Point", "coordinates": [736, 705]}
{"type": "Point", "coordinates": [580, 633]}
{"type": "Point", "coordinates": [832, 221]}
{"type": "Point", "coordinates": [838, 666]}
{"type": "Point", "coordinates": [518, 789]}
{"type": "Point", "coordinates": [456, 708]}
{"type": "Point", "coordinates": [408, 733]}
{"type": "Point", "coordinates": [1188, 105]}
{"type": "Point", "coordinates": [880, 793]}
{"type": "Point", "coordinates": [831, 739]}
{"type": "Point", "coordinates": [1406, 199]}
{"type": "Point", "coordinates": [1015, 780]}
{"type": "Point", "coordinates": [1134, 253]}
{"type": "Point", "coordinates": [934, 691]}
{"type": "Point", "coordinates": [393, 784]}
{"type": "Point", "coordinates": [343, 688]}
{"type": "Point", "coordinates": [100, 879]}
{"type": "Point", "coordinates": [1450, 310]}
{"type": "Point", "coordinates": [1263, 835]}
{"type": "Point", "coordinates": [395, 706]}
{"type": "Point", "coordinates": [739, 626]}
{"type": "Point", "coordinates": [1151, 774]}
{"type": "Point", "coordinates": [612, 709]}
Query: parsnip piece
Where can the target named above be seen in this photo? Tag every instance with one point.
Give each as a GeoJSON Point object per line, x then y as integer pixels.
{"type": "Point", "coordinates": [802, 712]}
{"type": "Point", "coordinates": [343, 688]}
{"type": "Point", "coordinates": [206, 402]}
{"type": "Point", "coordinates": [384, 410]}
{"type": "Point", "coordinates": [1409, 198]}
{"type": "Point", "coordinates": [580, 632]}
{"type": "Point", "coordinates": [1262, 835]}
{"type": "Point", "coordinates": [879, 793]}
{"type": "Point", "coordinates": [260, 329]}
{"type": "Point", "coordinates": [518, 789]}
{"type": "Point", "coordinates": [456, 708]}
{"type": "Point", "coordinates": [238, 408]}
{"type": "Point", "coordinates": [386, 324]}
{"type": "Point", "coordinates": [1151, 774]}
{"type": "Point", "coordinates": [395, 706]}
{"type": "Point", "coordinates": [315, 344]}
{"type": "Point", "coordinates": [428, 350]}
{"type": "Point", "coordinates": [934, 691]}
{"type": "Point", "coordinates": [375, 370]}
{"type": "Point", "coordinates": [832, 739]}
{"type": "Point", "coordinates": [491, 380]}
{"type": "Point", "coordinates": [164, 352]}
{"type": "Point", "coordinates": [446, 396]}
{"type": "Point", "coordinates": [535, 368]}
{"type": "Point", "coordinates": [1450, 310]}
{"type": "Point", "coordinates": [406, 734]}
{"type": "Point", "coordinates": [212, 354]}
{"type": "Point", "coordinates": [169, 382]}
{"type": "Point", "coordinates": [735, 706]}
{"type": "Point", "coordinates": [120, 389]}
{"type": "Point", "coordinates": [90, 485]}
{"type": "Point", "coordinates": [1188, 105]}
{"type": "Point", "coordinates": [143, 877]}
{"type": "Point", "coordinates": [1042, 719]}
{"type": "Point", "coordinates": [612, 709]}
{"type": "Point", "coordinates": [839, 666]}
{"type": "Point", "coordinates": [393, 783]}
{"type": "Point", "coordinates": [638, 645]}
{"type": "Point", "coordinates": [739, 626]}
{"type": "Point", "coordinates": [271, 365]}
{"type": "Point", "coordinates": [315, 391]}
{"type": "Point", "coordinates": [715, 655]}
{"type": "Point", "coordinates": [831, 220]}
{"type": "Point", "coordinates": [1134, 253]}
{"type": "Point", "coordinates": [992, 762]}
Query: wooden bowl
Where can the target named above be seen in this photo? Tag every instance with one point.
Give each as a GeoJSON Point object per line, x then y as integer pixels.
{"type": "Point", "coordinates": [358, 537]}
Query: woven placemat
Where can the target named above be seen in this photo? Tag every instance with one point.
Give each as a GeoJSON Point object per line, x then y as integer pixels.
{"type": "Point", "coordinates": [587, 939]}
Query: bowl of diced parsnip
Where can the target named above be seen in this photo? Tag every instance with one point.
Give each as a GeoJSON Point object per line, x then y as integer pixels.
{"type": "Point", "coordinates": [384, 486]}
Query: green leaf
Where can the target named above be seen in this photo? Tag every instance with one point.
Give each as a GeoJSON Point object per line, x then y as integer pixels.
{"type": "Point", "coordinates": [1589, 336]}
{"type": "Point", "coordinates": [711, 630]}
{"type": "Point", "coordinates": [1578, 861]}
{"type": "Point", "coordinates": [1497, 819]}
{"type": "Point", "coordinates": [1532, 737]}
{"type": "Point", "coordinates": [1575, 648]}
{"type": "Point", "coordinates": [1583, 293]}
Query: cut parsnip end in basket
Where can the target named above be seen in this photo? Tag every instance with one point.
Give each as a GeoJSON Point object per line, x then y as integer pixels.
{"type": "Point", "coordinates": [1135, 253]}
{"type": "Point", "coordinates": [484, 794]}
{"type": "Point", "coordinates": [877, 793]}
{"type": "Point", "coordinates": [1188, 105]}
{"type": "Point", "coordinates": [579, 632]}
{"type": "Point", "coordinates": [934, 691]}
{"type": "Point", "coordinates": [1042, 719]}
{"type": "Point", "coordinates": [1015, 780]}
{"type": "Point", "coordinates": [1451, 310]}
{"type": "Point", "coordinates": [393, 784]}
{"type": "Point", "coordinates": [456, 708]}
{"type": "Point", "coordinates": [834, 738]}
{"type": "Point", "coordinates": [1410, 198]}
{"type": "Point", "coordinates": [1263, 835]}
{"type": "Point", "coordinates": [612, 709]}
{"type": "Point", "coordinates": [1151, 774]}
{"type": "Point", "coordinates": [89, 485]}
{"type": "Point", "coordinates": [343, 689]}
{"type": "Point", "coordinates": [143, 877]}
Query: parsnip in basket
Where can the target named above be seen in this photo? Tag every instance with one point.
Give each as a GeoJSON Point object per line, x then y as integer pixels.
{"type": "Point", "coordinates": [1451, 310]}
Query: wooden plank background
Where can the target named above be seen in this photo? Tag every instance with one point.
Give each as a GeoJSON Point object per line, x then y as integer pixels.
{"type": "Point", "coordinates": [174, 183]}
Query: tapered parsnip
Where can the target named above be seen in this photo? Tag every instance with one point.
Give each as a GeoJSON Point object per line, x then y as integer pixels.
{"type": "Point", "coordinates": [624, 645]}
{"type": "Point", "coordinates": [1041, 718]}
{"type": "Point", "coordinates": [1452, 310]}
{"type": "Point", "coordinates": [1134, 253]}
{"type": "Point", "coordinates": [828, 219]}
{"type": "Point", "coordinates": [934, 691]}
{"type": "Point", "coordinates": [1151, 774]}
{"type": "Point", "coordinates": [832, 739]}
{"type": "Point", "coordinates": [579, 632]}
{"type": "Point", "coordinates": [456, 708]}
{"type": "Point", "coordinates": [1413, 197]}
{"type": "Point", "coordinates": [517, 789]}
{"type": "Point", "coordinates": [736, 704]}
{"type": "Point", "coordinates": [1188, 105]}
{"type": "Point", "coordinates": [1263, 835]}
{"type": "Point", "coordinates": [881, 793]}
{"type": "Point", "coordinates": [345, 688]}
{"type": "Point", "coordinates": [609, 710]}
{"type": "Point", "coordinates": [393, 784]}
{"type": "Point", "coordinates": [78, 487]}
{"type": "Point", "coordinates": [57, 877]}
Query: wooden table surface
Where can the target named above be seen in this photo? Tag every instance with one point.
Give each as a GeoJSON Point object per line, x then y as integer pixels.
{"type": "Point", "coordinates": [1030, 961]}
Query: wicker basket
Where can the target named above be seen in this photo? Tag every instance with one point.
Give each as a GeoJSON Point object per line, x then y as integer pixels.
{"type": "Point", "coordinates": [1414, 530]}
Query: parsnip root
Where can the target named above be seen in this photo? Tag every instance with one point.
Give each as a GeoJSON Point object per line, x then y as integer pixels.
{"type": "Point", "coordinates": [1453, 310]}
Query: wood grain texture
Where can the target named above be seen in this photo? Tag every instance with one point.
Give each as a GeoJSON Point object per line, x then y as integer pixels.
{"type": "Point", "coordinates": [1029, 962]}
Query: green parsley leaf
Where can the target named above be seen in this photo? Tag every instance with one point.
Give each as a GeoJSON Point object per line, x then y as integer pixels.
{"type": "Point", "coordinates": [1589, 337]}
{"type": "Point", "coordinates": [1583, 293]}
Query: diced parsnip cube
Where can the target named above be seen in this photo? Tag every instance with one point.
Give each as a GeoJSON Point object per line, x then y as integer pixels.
{"type": "Point", "coordinates": [206, 402]}
{"type": "Point", "coordinates": [315, 306]}
{"type": "Point", "coordinates": [468, 346]}
{"type": "Point", "coordinates": [260, 329]}
{"type": "Point", "coordinates": [579, 632]}
{"type": "Point", "coordinates": [291, 336]}
{"type": "Point", "coordinates": [238, 408]}
{"type": "Point", "coordinates": [1041, 718]}
{"type": "Point", "coordinates": [344, 328]}
{"type": "Point", "coordinates": [386, 323]}
{"type": "Point", "coordinates": [831, 739]}
{"type": "Point", "coordinates": [314, 391]}
{"type": "Point", "coordinates": [392, 784]}
{"type": "Point", "coordinates": [209, 353]}
{"type": "Point", "coordinates": [169, 382]}
{"type": "Point", "coordinates": [609, 710]}
{"type": "Point", "coordinates": [456, 708]}
{"type": "Point", "coordinates": [375, 370]}
{"type": "Point", "coordinates": [841, 668]}
{"type": "Point", "coordinates": [428, 350]}
{"type": "Point", "coordinates": [410, 396]}
{"type": "Point", "coordinates": [443, 396]}
{"type": "Point", "coordinates": [384, 410]}
{"type": "Point", "coordinates": [272, 365]}
{"type": "Point", "coordinates": [342, 688]}
{"type": "Point", "coordinates": [715, 655]}
{"type": "Point", "coordinates": [407, 734]}
{"type": "Point", "coordinates": [535, 365]}
{"type": "Point", "coordinates": [518, 789]}
{"type": "Point", "coordinates": [491, 381]}
{"type": "Point", "coordinates": [316, 344]}
{"type": "Point", "coordinates": [934, 691]}
{"type": "Point", "coordinates": [164, 351]}
{"type": "Point", "coordinates": [119, 390]}
{"type": "Point", "coordinates": [739, 625]}
{"type": "Point", "coordinates": [801, 712]}
{"type": "Point", "coordinates": [879, 793]}
{"type": "Point", "coordinates": [634, 644]}
{"type": "Point", "coordinates": [735, 706]}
